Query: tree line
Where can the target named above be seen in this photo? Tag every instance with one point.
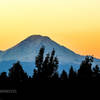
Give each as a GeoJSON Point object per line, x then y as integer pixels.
{"type": "Point", "coordinates": [47, 69]}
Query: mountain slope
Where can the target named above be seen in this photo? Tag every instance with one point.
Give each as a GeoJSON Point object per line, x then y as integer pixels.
{"type": "Point", "coordinates": [27, 50]}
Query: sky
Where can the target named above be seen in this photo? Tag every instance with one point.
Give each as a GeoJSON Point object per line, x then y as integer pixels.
{"type": "Point", "coordinates": [72, 23]}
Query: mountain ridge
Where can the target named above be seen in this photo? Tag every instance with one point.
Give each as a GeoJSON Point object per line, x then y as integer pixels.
{"type": "Point", "coordinates": [26, 51]}
{"type": "Point", "coordinates": [35, 41]}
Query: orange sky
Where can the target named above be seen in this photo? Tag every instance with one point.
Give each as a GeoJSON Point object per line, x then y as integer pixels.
{"type": "Point", "coordinates": [72, 23]}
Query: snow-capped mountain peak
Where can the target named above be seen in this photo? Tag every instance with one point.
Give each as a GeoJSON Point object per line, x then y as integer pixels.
{"type": "Point", "coordinates": [28, 49]}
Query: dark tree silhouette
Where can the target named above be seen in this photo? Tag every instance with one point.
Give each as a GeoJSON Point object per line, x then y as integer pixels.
{"type": "Point", "coordinates": [39, 59]}
{"type": "Point", "coordinates": [45, 67]}
{"type": "Point", "coordinates": [37, 75]}
{"type": "Point", "coordinates": [96, 69]}
{"type": "Point", "coordinates": [85, 71]}
{"type": "Point", "coordinates": [96, 72]}
{"type": "Point", "coordinates": [72, 74]}
{"type": "Point", "coordinates": [17, 73]}
{"type": "Point", "coordinates": [3, 76]}
{"type": "Point", "coordinates": [52, 65]}
{"type": "Point", "coordinates": [55, 76]}
{"type": "Point", "coordinates": [64, 75]}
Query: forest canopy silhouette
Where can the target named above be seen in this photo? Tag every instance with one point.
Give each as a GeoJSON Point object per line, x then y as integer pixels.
{"type": "Point", "coordinates": [47, 69]}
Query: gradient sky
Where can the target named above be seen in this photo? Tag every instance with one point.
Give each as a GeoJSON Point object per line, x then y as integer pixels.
{"type": "Point", "coordinates": [72, 23]}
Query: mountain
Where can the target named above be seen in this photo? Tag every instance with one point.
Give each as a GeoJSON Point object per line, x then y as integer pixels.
{"type": "Point", "coordinates": [1, 52]}
{"type": "Point", "coordinates": [27, 50]}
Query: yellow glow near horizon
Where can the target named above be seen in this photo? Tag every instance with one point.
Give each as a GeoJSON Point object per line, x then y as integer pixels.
{"type": "Point", "coordinates": [72, 23]}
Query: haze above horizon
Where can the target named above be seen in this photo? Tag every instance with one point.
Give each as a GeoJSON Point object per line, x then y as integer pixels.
{"type": "Point", "coordinates": [74, 23]}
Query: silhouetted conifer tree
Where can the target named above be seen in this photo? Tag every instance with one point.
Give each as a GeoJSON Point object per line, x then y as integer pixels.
{"type": "Point", "coordinates": [39, 65]}
{"type": "Point", "coordinates": [72, 74]}
{"type": "Point", "coordinates": [96, 72]}
{"type": "Point", "coordinates": [35, 75]}
{"type": "Point", "coordinates": [53, 64]}
{"type": "Point", "coordinates": [3, 76]}
{"type": "Point", "coordinates": [55, 76]}
{"type": "Point", "coordinates": [16, 73]}
{"type": "Point", "coordinates": [85, 71]}
{"type": "Point", "coordinates": [45, 67]}
{"type": "Point", "coordinates": [64, 75]}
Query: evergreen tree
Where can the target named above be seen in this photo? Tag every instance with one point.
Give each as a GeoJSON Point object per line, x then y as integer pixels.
{"type": "Point", "coordinates": [72, 74]}
{"type": "Point", "coordinates": [3, 76]}
{"type": "Point", "coordinates": [53, 64]}
{"type": "Point", "coordinates": [85, 71]}
{"type": "Point", "coordinates": [16, 73]}
{"type": "Point", "coordinates": [55, 76]}
{"type": "Point", "coordinates": [64, 75]}
{"type": "Point", "coordinates": [39, 59]}
{"type": "Point", "coordinates": [96, 71]}
{"type": "Point", "coordinates": [39, 65]}
{"type": "Point", "coordinates": [35, 75]}
{"type": "Point", "coordinates": [45, 67]}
